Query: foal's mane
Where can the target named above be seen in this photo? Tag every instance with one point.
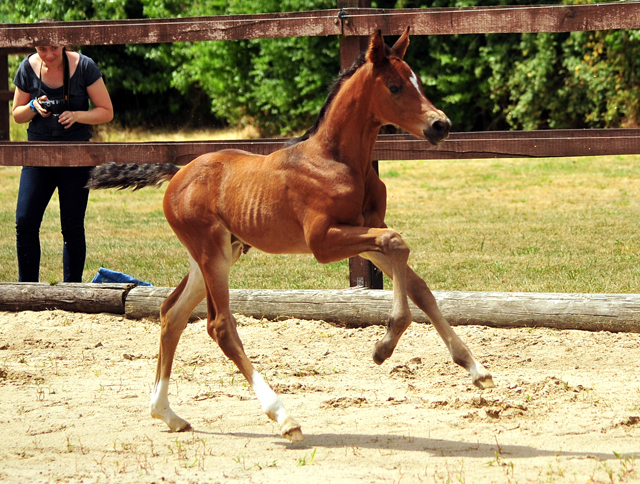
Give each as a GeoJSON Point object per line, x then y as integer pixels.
{"type": "Point", "coordinates": [333, 91]}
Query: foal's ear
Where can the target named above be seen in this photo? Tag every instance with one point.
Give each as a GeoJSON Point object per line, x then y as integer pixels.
{"type": "Point", "coordinates": [376, 53]}
{"type": "Point", "coordinates": [400, 47]}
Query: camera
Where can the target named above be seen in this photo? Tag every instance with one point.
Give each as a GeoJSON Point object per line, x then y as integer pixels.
{"type": "Point", "coordinates": [54, 106]}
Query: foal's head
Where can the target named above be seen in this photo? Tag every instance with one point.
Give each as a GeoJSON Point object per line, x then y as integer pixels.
{"type": "Point", "coordinates": [398, 98]}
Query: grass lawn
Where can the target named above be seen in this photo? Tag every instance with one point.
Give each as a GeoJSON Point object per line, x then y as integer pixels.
{"type": "Point", "coordinates": [543, 225]}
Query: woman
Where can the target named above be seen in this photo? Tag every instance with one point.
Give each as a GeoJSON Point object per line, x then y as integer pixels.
{"type": "Point", "coordinates": [72, 79]}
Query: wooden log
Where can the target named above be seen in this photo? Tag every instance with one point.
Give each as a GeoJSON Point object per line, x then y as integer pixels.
{"type": "Point", "coordinates": [145, 301]}
{"type": "Point", "coordinates": [352, 307]}
{"type": "Point", "coordinates": [591, 312]}
{"type": "Point", "coordinates": [84, 298]}
{"type": "Point", "coordinates": [363, 307]}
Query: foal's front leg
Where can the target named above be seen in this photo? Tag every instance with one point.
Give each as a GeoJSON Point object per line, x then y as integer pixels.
{"type": "Point", "coordinates": [400, 317]}
{"type": "Point", "coordinates": [341, 242]}
{"type": "Point", "coordinates": [422, 296]}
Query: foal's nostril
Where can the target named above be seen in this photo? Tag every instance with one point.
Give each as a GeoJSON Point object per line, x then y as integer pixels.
{"type": "Point", "coordinates": [438, 130]}
{"type": "Point", "coordinates": [441, 127]}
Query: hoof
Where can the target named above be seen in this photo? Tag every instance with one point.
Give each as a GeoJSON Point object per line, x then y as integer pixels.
{"type": "Point", "coordinates": [484, 382]}
{"type": "Point", "coordinates": [377, 359]}
{"type": "Point", "coordinates": [175, 423]}
{"type": "Point", "coordinates": [380, 353]}
{"type": "Point", "coordinates": [294, 435]}
{"type": "Point", "coordinates": [183, 428]}
{"type": "Point", "coordinates": [291, 430]}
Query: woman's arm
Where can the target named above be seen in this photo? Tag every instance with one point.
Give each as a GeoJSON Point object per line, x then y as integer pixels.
{"type": "Point", "coordinates": [22, 112]}
{"type": "Point", "coordinates": [102, 111]}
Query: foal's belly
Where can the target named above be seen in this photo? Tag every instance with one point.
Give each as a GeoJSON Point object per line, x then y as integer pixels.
{"type": "Point", "coordinates": [274, 238]}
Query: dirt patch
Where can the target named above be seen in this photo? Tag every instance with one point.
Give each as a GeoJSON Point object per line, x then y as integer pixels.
{"type": "Point", "coordinates": [74, 392]}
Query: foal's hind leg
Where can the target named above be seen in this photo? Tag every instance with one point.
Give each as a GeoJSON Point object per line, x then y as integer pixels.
{"type": "Point", "coordinates": [221, 326]}
{"type": "Point", "coordinates": [422, 296]}
{"type": "Point", "coordinates": [174, 315]}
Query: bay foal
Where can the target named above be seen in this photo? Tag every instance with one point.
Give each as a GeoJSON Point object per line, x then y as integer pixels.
{"type": "Point", "coordinates": [320, 195]}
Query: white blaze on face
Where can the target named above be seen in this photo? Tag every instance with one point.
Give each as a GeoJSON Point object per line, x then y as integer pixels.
{"type": "Point", "coordinates": [414, 80]}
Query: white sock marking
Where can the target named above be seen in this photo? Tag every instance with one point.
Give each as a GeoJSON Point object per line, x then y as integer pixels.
{"type": "Point", "coordinates": [271, 403]}
{"type": "Point", "coordinates": [159, 405]}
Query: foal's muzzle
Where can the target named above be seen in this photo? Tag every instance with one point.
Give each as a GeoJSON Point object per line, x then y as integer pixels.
{"type": "Point", "coordinates": [438, 131]}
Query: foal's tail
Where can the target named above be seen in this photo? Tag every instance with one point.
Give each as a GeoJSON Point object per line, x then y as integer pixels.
{"type": "Point", "coordinates": [112, 175]}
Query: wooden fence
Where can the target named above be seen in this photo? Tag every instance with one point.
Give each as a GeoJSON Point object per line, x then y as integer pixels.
{"type": "Point", "coordinates": [354, 22]}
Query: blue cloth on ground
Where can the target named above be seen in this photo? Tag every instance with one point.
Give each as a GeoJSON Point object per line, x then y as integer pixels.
{"type": "Point", "coordinates": [107, 275]}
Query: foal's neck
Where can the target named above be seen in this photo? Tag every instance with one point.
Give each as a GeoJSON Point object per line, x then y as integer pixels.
{"type": "Point", "coordinates": [350, 128]}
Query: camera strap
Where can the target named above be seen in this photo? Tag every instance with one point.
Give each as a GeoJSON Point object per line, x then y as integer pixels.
{"type": "Point", "coordinates": [65, 86]}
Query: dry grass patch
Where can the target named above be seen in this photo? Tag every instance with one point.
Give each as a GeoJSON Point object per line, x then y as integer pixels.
{"type": "Point", "coordinates": [114, 133]}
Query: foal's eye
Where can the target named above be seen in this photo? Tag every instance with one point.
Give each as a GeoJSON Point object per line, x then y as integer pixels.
{"type": "Point", "coordinates": [394, 89]}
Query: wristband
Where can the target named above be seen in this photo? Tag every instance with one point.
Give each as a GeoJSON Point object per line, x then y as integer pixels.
{"type": "Point", "coordinates": [33, 108]}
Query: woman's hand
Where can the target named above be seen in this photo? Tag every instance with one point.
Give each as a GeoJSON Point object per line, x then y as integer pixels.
{"type": "Point", "coordinates": [68, 118]}
{"type": "Point", "coordinates": [41, 111]}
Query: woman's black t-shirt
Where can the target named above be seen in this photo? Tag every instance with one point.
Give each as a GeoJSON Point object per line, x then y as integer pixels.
{"type": "Point", "coordinates": [49, 129]}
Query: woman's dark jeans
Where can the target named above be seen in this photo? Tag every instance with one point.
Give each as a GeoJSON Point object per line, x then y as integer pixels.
{"type": "Point", "coordinates": [37, 185]}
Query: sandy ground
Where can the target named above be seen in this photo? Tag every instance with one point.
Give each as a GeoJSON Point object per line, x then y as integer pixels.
{"type": "Point", "coordinates": [74, 394]}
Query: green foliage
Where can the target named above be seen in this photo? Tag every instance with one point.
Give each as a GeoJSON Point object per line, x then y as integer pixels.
{"type": "Point", "coordinates": [569, 80]}
{"type": "Point", "coordinates": [496, 81]}
{"type": "Point", "coordinates": [465, 75]}
{"type": "Point", "coordinates": [528, 81]}
{"type": "Point", "coordinates": [278, 85]}
{"type": "Point", "coordinates": [576, 80]}
{"type": "Point", "coordinates": [28, 11]}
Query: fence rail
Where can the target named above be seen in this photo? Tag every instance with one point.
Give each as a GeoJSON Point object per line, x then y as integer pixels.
{"type": "Point", "coordinates": [498, 144]}
{"type": "Point", "coordinates": [346, 21]}
{"type": "Point", "coordinates": [495, 20]}
{"type": "Point", "coordinates": [190, 29]}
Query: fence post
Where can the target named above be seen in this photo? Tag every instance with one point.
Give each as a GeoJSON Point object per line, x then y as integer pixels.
{"type": "Point", "coordinates": [5, 95]}
{"type": "Point", "coordinates": [361, 272]}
